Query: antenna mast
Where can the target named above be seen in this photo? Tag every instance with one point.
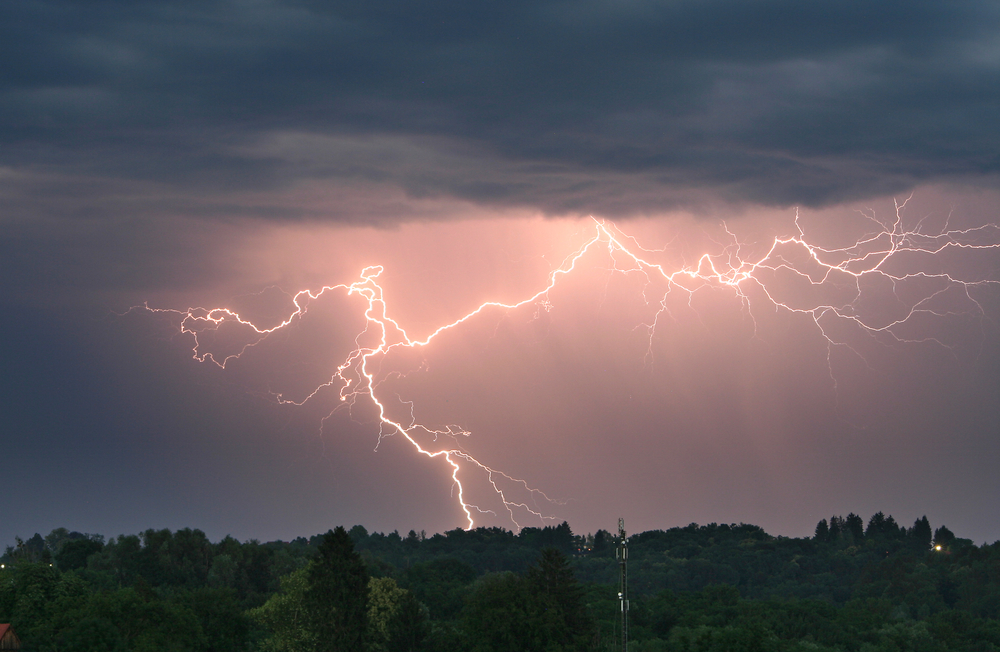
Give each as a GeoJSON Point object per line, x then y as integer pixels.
{"type": "Point", "coordinates": [622, 553]}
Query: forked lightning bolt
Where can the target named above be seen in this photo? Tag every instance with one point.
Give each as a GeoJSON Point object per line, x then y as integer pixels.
{"type": "Point", "coordinates": [880, 255]}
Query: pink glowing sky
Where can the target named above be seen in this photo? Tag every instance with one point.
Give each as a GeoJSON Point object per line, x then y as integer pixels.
{"type": "Point", "coordinates": [732, 411]}
{"type": "Point", "coordinates": [175, 154]}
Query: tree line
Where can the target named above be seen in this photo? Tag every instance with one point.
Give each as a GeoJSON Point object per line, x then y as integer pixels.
{"type": "Point", "coordinates": [851, 586]}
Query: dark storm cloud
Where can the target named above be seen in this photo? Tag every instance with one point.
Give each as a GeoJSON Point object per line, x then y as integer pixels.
{"type": "Point", "coordinates": [614, 107]}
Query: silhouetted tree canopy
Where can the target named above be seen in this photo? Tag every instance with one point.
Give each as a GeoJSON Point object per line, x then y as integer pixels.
{"type": "Point", "coordinates": [697, 587]}
{"type": "Point", "coordinates": [336, 595]}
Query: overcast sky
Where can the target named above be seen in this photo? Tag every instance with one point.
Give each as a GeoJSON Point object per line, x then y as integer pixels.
{"type": "Point", "coordinates": [198, 153]}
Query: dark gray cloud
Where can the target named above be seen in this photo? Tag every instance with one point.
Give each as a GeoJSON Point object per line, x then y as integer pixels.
{"type": "Point", "coordinates": [541, 104]}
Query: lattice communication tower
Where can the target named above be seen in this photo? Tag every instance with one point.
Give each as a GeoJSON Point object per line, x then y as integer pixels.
{"type": "Point", "coordinates": [622, 553]}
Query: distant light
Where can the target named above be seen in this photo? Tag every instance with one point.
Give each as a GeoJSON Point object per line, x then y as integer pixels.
{"type": "Point", "coordinates": [937, 547]}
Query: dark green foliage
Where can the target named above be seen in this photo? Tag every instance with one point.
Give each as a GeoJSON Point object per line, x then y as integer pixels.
{"type": "Point", "coordinates": [54, 611]}
{"type": "Point", "coordinates": [920, 534]}
{"type": "Point", "coordinates": [284, 621]}
{"type": "Point", "coordinates": [181, 558]}
{"type": "Point", "coordinates": [496, 615]}
{"type": "Point", "coordinates": [336, 595]}
{"type": "Point", "coordinates": [30, 551]}
{"type": "Point", "coordinates": [397, 622]}
{"type": "Point", "coordinates": [223, 621]}
{"type": "Point", "coordinates": [699, 587]}
{"type": "Point", "coordinates": [559, 537]}
{"type": "Point", "coordinates": [119, 560]}
{"type": "Point", "coordinates": [139, 623]}
{"type": "Point", "coordinates": [441, 585]}
{"type": "Point", "coordinates": [836, 528]}
{"type": "Point", "coordinates": [855, 527]}
{"type": "Point", "coordinates": [31, 595]}
{"type": "Point", "coordinates": [358, 533]}
{"type": "Point", "coordinates": [73, 554]}
{"type": "Point", "coordinates": [410, 627]}
{"type": "Point", "coordinates": [883, 529]}
{"type": "Point", "coordinates": [602, 542]}
{"type": "Point", "coordinates": [541, 610]}
{"type": "Point", "coordinates": [57, 538]}
{"type": "Point", "coordinates": [558, 599]}
{"type": "Point", "coordinates": [163, 590]}
{"type": "Point", "coordinates": [943, 536]}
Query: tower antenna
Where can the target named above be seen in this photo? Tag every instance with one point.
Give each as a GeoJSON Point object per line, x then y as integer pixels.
{"type": "Point", "coordinates": [622, 553]}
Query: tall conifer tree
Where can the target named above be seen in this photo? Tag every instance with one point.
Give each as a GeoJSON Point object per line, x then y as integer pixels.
{"type": "Point", "coordinates": [337, 595]}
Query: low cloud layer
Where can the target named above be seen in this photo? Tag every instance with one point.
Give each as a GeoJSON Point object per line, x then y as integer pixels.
{"type": "Point", "coordinates": [618, 108]}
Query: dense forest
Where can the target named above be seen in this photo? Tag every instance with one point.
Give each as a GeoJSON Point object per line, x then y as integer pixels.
{"type": "Point", "coordinates": [854, 586]}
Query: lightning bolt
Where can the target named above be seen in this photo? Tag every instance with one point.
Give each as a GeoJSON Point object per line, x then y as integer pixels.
{"type": "Point", "coordinates": [889, 254]}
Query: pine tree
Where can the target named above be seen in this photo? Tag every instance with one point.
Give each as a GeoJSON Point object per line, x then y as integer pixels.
{"type": "Point", "coordinates": [920, 534]}
{"type": "Point", "coordinates": [337, 595]}
{"type": "Point", "coordinates": [560, 600]}
{"type": "Point", "coordinates": [836, 527]}
{"type": "Point", "coordinates": [856, 526]}
{"type": "Point", "coordinates": [876, 526]}
{"type": "Point", "coordinates": [822, 531]}
{"type": "Point", "coordinates": [943, 536]}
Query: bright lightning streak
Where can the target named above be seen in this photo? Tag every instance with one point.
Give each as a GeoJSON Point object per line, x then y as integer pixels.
{"type": "Point", "coordinates": [879, 256]}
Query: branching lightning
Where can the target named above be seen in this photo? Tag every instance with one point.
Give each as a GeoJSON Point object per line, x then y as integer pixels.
{"type": "Point", "coordinates": [890, 254]}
